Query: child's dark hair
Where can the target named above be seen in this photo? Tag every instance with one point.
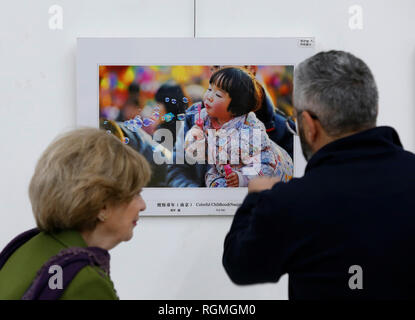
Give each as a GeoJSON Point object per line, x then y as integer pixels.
{"type": "Point", "coordinates": [245, 91]}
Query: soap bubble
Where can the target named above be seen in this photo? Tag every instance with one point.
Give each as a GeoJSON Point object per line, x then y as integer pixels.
{"type": "Point", "coordinates": [168, 117]}
{"type": "Point", "coordinates": [147, 122]}
{"type": "Point", "coordinates": [109, 131]}
{"type": "Point", "coordinates": [185, 100]}
{"type": "Point", "coordinates": [126, 140]}
{"type": "Point", "coordinates": [181, 116]}
{"type": "Point", "coordinates": [173, 101]}
{"type": "Point", "coordinates": [167, 99]}
{"type": "Point", "coordinates": [138, 122]}
{"type": "Point", "coordinates": [133, 125]}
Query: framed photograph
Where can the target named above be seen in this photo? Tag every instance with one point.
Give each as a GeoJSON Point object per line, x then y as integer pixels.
{"type": "Point", "coordinates": [208, 114]}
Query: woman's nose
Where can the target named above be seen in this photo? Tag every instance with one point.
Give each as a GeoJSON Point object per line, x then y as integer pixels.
{"type": "Point", "coordinates": [143, 205]}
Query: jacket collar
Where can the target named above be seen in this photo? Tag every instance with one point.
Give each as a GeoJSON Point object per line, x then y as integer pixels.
{"type": "Point", "coordinates": [366, 143]}
{"type": "Point", "coordinates": [69, 238]}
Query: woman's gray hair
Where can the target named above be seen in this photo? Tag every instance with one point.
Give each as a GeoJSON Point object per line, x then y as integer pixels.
{"type": "Point", "coordinates": [340, 89]}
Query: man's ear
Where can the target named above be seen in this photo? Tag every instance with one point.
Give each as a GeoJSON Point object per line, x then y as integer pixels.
{"type": "Point", "coordinates": [310, 127]}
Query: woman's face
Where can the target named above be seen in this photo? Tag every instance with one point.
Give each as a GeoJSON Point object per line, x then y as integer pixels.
{"type": "Point", "coordinates": [122, 219]}
{"type": "Point", "coordinates": [217, 102]}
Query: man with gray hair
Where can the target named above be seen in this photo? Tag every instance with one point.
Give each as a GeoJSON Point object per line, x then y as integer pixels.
{"type": "Point", "coordinates": [346, 229]}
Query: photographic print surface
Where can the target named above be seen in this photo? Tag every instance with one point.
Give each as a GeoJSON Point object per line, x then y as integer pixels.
{"type": "Point", "coordinates": [201, 159]}
{"type": "Point", "coordinates": [178, 117]}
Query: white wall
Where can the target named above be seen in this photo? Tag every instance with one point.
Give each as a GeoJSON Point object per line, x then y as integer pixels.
{"type": "Point", "coordinates": [174, 258]}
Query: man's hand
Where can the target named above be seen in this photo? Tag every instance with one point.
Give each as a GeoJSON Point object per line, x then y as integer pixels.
{"type": "Point", "coordinates": [262, 183]}
{"type": "Point", "coordinates": [232, 180]}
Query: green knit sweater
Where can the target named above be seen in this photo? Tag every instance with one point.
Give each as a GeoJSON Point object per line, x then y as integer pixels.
{"type": "Point", "coordinates": [91, 283]}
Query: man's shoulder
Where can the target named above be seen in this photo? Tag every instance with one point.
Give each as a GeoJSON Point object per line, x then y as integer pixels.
{"type": "Point", "coordinates": [403, 166]}
{"type": "Point", "coordinates": [295, 197]}
{"type": "Point", "coordinates": [286, 194]}
{"type": "Point", "coordinates": [409, 156]}
{"type": "Point", "coordinates": [282, 204]}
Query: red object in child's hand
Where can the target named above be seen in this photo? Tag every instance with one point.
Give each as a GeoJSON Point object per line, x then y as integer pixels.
{"type": "Point", "coordinates": [228, 169]}
{"type": "Point", "coordinates": [199, 121]}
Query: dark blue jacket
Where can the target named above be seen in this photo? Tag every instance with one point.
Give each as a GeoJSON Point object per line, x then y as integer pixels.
{"type": "Point", "coordinates": [144, 145]}
{"type": "Point", "coordinates": [185, 175]}
{"type": "Point", "coordinates": [355, 205]}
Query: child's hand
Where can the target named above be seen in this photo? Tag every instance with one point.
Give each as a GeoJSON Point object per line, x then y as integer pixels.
{"type": "Point", "coordinates": [196, 133]}
{"type": "Point", "coordinates": [194, 145]}
{"type": "Point", "coordinates": [232, 180]}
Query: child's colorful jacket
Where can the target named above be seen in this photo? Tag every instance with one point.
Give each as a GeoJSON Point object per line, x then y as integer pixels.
{"type": "Point", "coordinates": [243, 143]}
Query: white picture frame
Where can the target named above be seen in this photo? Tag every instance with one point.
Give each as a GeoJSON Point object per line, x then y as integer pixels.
{"type": "Point", "coordinates": [93, 52]}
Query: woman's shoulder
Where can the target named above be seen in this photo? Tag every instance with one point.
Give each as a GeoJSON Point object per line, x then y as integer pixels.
{"type": "Point", "coordinates": [22, 266]}
{"type": "Point", "coordinates": [90, 283]}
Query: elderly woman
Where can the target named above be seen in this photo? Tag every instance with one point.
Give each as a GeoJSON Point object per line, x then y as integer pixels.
{"type": "Point", "coordinates": [85, 196]}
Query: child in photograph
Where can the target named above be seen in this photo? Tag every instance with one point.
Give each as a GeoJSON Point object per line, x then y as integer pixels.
{"type": "Point", "coordinates": [229, 104]}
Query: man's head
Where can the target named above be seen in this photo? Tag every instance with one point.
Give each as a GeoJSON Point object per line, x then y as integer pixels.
{"type": "Point", "coordinates": [335, 95]}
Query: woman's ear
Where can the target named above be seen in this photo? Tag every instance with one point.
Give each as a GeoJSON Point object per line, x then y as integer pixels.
{"type": "Point", "coordinates": [103, 214]}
